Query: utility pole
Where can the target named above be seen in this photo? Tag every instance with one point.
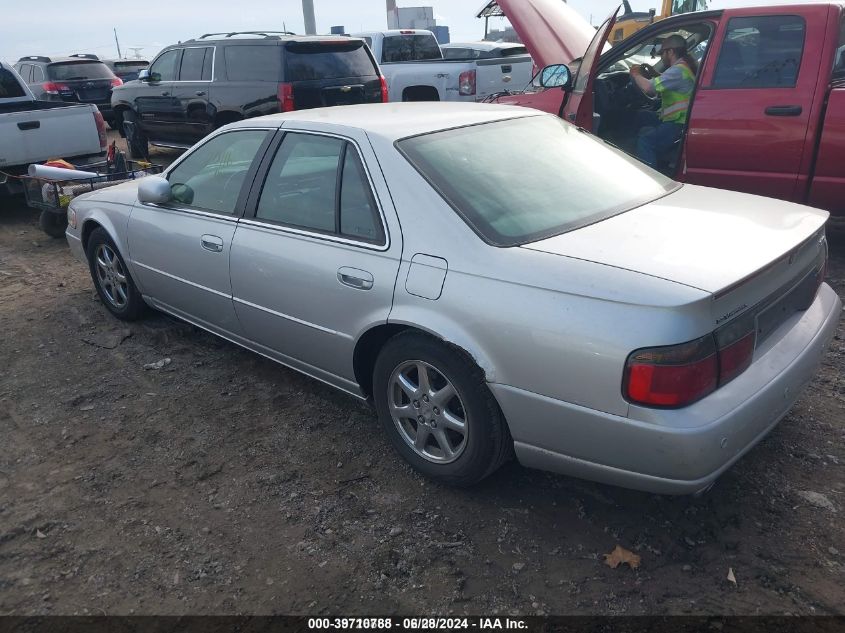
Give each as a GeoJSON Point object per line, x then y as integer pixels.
{"type": "Point", "coordinates": [310, 19]}
{"type": "Point", "coordinates": [118, 44]}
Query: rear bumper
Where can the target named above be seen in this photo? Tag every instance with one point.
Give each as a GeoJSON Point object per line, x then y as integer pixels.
{"type": "Point", "coordinates": [666, 455]}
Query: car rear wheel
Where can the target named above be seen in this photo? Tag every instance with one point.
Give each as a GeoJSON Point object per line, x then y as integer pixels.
{"type": "Point", "coordinates": [111, 278]}
{"type": "Point", "coordinates": [136, 141]}
{"type": "Point", "coordinates": [437, 410]}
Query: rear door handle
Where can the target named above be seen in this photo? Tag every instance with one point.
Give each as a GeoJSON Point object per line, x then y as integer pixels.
{"type": "Point", "coordinates": [165, 94]}
{"type": "Point", "coordinates": [29, 125]}
{"type": "Point", "coordinates": [212, 243]}
{"type": "Point", "coordinates": [355, 278]}
{"type": "Point", "coordinates": [786, 110]}
{"type": "Point", "coordinates": [200, 93]}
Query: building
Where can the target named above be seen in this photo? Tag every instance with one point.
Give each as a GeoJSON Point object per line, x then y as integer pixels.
{"type": "Point", "coordinates": [415, 18]}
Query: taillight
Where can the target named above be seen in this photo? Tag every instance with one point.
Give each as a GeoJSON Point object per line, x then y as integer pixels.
{"type": "Point", "coordinates": [466, 83]}
{"type": "Point", "coordinates": [116, 81]}
{"type": "Point", "coordinates": [52, 88]}
{"type": "Point", "coordinates": [384, 93]}
{"type": "Point", "coordinates": [678, 375]}
{"type": "Point", "coordinates": [101, 129]}
{"type": "Point", "coordinates": [672, 376]}
{"type": "Point", "coordinates": [286, 102]}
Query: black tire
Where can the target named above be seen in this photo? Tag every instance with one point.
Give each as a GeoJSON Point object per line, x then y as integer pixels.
{"type": "Point", "coordinates": [126, 302]}
{"type": "Point", "coordinates": [53, 224]}
{"type": "Point", "coordinates": [136, 141]}
{"type": "Point", "coordinates": [488, 443]}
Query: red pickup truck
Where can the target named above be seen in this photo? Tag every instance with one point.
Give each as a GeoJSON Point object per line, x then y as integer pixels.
{"type": "Point", "coordinates": [768, 112]}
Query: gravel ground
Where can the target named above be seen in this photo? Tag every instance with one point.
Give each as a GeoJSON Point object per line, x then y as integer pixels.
{"type": "Point", "coordinates": [224, 483]}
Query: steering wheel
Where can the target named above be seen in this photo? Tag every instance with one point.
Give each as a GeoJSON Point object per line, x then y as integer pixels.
{"type": "Point", "coordinates": [636, 98]}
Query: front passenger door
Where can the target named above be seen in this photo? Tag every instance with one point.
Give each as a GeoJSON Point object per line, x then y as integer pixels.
{"type": "Point", "coordinates": [179, 252]}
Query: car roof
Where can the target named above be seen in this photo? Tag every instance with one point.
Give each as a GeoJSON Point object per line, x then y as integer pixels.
{"type": "Point", "coordinates": [394, 121]}
{"type": "Point", "coordinates": [247, 38]}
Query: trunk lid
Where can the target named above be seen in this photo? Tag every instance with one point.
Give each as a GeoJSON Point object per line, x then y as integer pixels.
{"type": "Point", "coordinates": [742, 249]}
{"type": "Point", "coordinates": [552, 31]}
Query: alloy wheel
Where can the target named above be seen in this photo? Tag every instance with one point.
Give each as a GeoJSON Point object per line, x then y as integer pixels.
{"type": "Point", "coordinates": [111, 276]}
{"type": "Point", "coordinates": [427, 411]}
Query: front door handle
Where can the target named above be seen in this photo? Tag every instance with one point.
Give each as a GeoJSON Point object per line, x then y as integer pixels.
{"type": "Point", "coordinates": [200, 93]}
{"type": "Point", "coordinates": [212, 243]}
{"type": "Point", "coordinates": [355, 278]}
{"type": "Point", "coordinates": [29, 125]}
{"type": "Point", "coordinates": [787, 110]}
{"type": "Point", "coordinates": [165, 94]}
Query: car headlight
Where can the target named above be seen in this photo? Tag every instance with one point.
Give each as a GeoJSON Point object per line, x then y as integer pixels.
{"type": "Point", "coordinates": [71, 216]}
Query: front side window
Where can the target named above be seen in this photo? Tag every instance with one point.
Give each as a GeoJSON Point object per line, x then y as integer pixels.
{"type": "Point", "coordinates": [761, 52]}
{"type": "Point", "coordinates": [164, 68]}
{"type": "Point", "coordinates": [526, 179]}
{"type": "Point", "coordinates": [37, 74]}
{"type": "Point", "coordinates": [318, 183]}
{"type": "Point", "coordinates": [211, 177]}
{"type": "Point", "coordinates": [10, 87]}
{"type": "Point", "coordinates": [25, 71]}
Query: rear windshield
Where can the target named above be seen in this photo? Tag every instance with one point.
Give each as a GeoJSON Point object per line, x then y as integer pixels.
{"type": "Point", "coordinates": [10, 87]}
{"type": "Point", "coordinates": [410, 48]}
{"type": "Point", "coordinates": [526, 179]}
{"type": "Point", "coordinates": [130, 66]}
{"type": "Point", "coordinates": [253, 63]}
{"type": "Point", "coordinates": [68, 71]}
{"type": "Point", "coordinates": [328, 60]}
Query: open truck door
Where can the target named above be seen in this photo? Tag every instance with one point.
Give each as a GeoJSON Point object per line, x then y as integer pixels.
{"type": "Point", "coordinates": [578, 107]}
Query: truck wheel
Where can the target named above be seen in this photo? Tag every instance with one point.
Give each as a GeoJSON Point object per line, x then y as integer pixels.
{"type": "Point", "coordinates": [111, 277]}
{"type": "Point", "coordinates": [53, 224]}
{"type": "Point", "coordinates": [136, 141]}
{"type": "Point", "coordinates": [437, 410]}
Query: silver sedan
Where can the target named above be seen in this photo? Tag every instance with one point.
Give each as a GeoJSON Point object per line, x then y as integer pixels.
{"type": "Point", "coordinates": [496, 281]}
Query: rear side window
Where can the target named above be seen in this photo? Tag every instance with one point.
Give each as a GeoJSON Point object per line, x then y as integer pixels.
{"type": "Point", "coordinates": [25, 71]}
{"type": "Point", "coordinates": [253, 63]}
{"type": "Point", "coordinates": [194, 66]}
{"type": "Point", "coordinates": [10, 87]}
{"type": "Point", "coordinates": [321, 60]}
{"type": "Point", "coordinates": [839, 57]}
{"type": "Point", "coordinates": [318, 183]}
{"type": "Point", "coordinates": [69, 71]}
{"type": "Point", "coordinates": [761, 52]}
{"type": "Point", "coordinates": [409, 48]}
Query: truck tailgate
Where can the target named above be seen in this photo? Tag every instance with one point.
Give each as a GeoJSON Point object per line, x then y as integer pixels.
{"type": "Point", "coordinates": [502, 73]}
{"type": "Point", "coordinates": [39, 134]}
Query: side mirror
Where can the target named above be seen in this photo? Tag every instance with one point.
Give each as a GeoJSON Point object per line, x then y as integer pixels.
{"type": "Point", "coordinates": [556, 76]}
{"type": "Point", "coordinates": [154, 190]}
{"type": "Point", "coordinates": [144, 75]}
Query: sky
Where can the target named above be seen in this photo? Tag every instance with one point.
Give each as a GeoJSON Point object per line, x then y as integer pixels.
{"type": "Point", "coordinates": [60, 27]}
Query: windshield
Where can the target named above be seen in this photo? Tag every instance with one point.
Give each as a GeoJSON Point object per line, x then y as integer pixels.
{"type": "Point", "coordinates": [526, 179]}
{"type": "Point", "coordinates": [69, 71]}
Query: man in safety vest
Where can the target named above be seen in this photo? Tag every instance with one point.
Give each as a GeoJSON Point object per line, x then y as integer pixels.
{"type": "Point", "coordinates": [659, 131]}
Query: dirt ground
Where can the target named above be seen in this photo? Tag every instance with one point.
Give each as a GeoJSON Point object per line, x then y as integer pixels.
{"type": "Point", "coordinates": [224, 483]}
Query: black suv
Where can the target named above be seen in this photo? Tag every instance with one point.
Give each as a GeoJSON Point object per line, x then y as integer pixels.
{"type": "Point", "coordinates": [196, 86]}
{"type": "Point", "coordinates": [80, 78]}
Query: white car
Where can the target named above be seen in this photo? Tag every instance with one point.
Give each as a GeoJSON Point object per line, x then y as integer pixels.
{"type": "Point", "coordinates": [496, 280]}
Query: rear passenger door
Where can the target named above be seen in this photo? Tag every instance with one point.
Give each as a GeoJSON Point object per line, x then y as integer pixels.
{"type": "Point", "coordinates": [315, 259]}
{"type": "Point", "coordinates": [749, 122]}
{"type": "Point", "coordinates": [192, 90]}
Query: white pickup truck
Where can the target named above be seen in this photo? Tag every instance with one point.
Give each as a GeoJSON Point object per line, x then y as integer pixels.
{"type": "Point", "coordinates": [414, 66]}
{"type": "Point", "coordinates": [34, 131]}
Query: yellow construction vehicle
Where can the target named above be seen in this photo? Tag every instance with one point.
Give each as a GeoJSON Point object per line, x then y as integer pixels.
{"type": "Point", "coordinates": [631, 21]}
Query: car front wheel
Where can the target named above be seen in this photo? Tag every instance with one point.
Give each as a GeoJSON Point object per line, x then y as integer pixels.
{"type": "Point", "coordinates": [111, 278]}
{"type": "Point", "coordinates": [436, 408]}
